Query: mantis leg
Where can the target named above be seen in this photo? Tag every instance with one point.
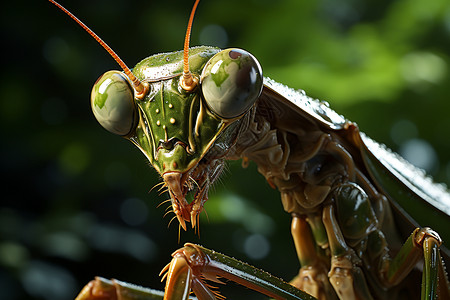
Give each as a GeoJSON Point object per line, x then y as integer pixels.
{"type": "Point", "coordinates": [192, 264]}
{"type": "Point", "coordinates": [422, 243]}
{"type": "Point", "coordinates": [104, 289]}
{"type": "Point", "coordinates": [345, 275]}
{"type": "Point", "coordinates": [434, 281]}
{"type": "Point", "coordinates": [357, 220]}
{"type": "Point", "coordinates": [312, 277]}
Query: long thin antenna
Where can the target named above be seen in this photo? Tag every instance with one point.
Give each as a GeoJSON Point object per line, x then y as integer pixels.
{"type": "Point", "coordinates": [188, 81]}
{"type": "Point", "coordinates": [140, 88]}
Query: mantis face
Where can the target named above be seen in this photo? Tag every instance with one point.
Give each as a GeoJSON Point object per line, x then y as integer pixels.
{"type": "Point", "coordinates": [185, 134]}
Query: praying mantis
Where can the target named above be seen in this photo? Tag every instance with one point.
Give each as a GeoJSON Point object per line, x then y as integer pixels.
{"type": "Point", "coordinates": [189, 111]}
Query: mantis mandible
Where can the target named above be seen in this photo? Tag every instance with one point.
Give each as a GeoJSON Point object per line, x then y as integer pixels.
{"type": "Point", "coordinates": [190, 111]}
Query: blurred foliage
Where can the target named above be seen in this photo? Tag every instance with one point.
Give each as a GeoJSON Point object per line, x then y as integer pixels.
{"type": "Point", "coordinates": [75, 198]}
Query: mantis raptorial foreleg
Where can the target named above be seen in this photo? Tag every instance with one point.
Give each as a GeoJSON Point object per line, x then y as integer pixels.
{"type": "Point", "coordinates": [192, 264]}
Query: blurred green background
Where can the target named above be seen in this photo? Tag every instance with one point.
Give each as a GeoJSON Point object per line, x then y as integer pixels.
{"type": "Point", "coordinates": [76, 200]}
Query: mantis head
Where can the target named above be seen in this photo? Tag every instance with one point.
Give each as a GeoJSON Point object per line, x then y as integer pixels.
{"type": "Point", "coordinates": [185, 134]}
{"type": "Point", "coordinates": [183, 110]}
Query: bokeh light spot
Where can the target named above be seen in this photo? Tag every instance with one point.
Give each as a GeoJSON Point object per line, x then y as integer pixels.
{"type": "Point", "coordinates": [236, 209]}
{"type": "Point", "coordinates": [46, 281]}
{"type": "Point", "coordinates": [402, 131]}
{"type": "Point", "coordinates": [13, 255]}
{"type": "Point", "coordinates": [115, 239]}
{"type": "Point", "coordinates": [74, 158]}
{"type": "Point", "coordinates": [133, 211]}
{"type": "Point", "coordinates": [420, 153]}
{"type": "Point", "coordinates": [66, 245]}
{"type": "Point", "coordinates": [422, 68]}
{"type": "Point", "coordinates": [256, 246]}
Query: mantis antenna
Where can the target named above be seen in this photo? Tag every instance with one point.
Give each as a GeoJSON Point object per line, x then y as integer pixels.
{"type": "Point", "coordinates": [140, 87]}
{"type": "Point", "coordinates": [188, 82]}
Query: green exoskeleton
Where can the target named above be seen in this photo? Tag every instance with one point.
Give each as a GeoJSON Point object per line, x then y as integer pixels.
{"type": "Point", "coordinates": [190, 111]}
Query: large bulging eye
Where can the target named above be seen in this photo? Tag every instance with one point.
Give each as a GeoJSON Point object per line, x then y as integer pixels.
{"type": "Point", "coordinates": [231, 82]}
{"type": "Point", "coordinates": [112, 103]}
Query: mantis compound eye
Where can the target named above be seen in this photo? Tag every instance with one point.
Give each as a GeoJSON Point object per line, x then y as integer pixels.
{"type": "Point", "coordinates": [112, 102]}
{"type": "Point", "coordinates": [231, 82]}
